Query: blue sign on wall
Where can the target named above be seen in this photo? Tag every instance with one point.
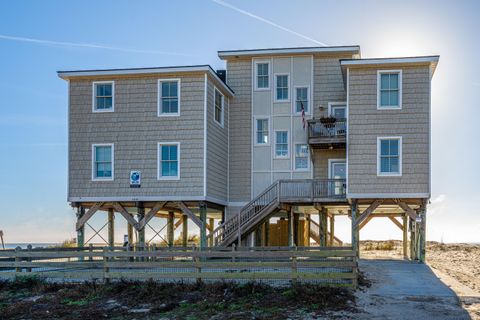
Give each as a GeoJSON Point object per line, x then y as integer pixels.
{"type": "Point", "coordinates": [135, 179]}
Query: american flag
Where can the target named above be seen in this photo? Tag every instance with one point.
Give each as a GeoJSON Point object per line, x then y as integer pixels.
{"type": "Point", "coordinates": [303, 115]}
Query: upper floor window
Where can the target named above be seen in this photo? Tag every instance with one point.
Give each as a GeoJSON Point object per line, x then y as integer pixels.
{"type": "Point", "coordinates": [262, 78]}
{"type": "Point", "coordinates": [169, 97]}
{"type": "Point", "coordinates": [301, 157]}
{"type": "Point", "coordinates": [102, 162]}
{"type": "Point", "coordinates": [281, 87]}
{"type": "Point", "coordinates": [103, 96]}
{"type": "Point", "coordinates": [389, 84]}
{"type": "Point", "coordinates": [169, 161]}
{"type": "Point", "coordinates": [281, 144]}
{"type": "Point", "coordinates": [389, 162]}
{"type": "Point", "coordinates": [261, 131]}
{"type": "Point", "coordinates": [219, 106]}
{"type": "Point", "coordinates": [301, 99]}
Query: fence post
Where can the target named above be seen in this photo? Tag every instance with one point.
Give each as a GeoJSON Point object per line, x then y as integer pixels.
{"type": "Point", "coordinates": [17, 259]}
{"type": "Point", "coordinates": [29, 259]}
{"type": "Point", "coordinates": [90, 250]}
{"type": "Point", "coordinates": [105, 265]}
{"type": "Point", "coordinates": [355, 272]}
{"type": "Point", "coordinates": [197, 265]}
{"type": "Point", "coordinates": [294, 266]}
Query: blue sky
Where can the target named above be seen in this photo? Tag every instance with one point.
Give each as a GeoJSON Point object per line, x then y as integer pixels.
{"type": "Point", "coordinates": [37, 38]}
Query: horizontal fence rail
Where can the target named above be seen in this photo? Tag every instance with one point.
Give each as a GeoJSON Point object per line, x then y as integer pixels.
{"type": "Point", "coordinates": [318, 128]}
{"type": "Point", "coordinates": [275, 265]}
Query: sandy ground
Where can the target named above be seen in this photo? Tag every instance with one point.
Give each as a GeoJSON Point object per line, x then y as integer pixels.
{"type": "Point", "coordinates": [457, 265]}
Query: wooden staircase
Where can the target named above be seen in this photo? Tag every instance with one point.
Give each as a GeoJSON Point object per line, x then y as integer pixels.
{"type": "Point", "coordinates": [269, 201]}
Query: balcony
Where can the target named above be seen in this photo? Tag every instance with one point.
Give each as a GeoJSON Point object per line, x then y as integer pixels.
{"type": "Point", "coordinates": [312, 190]}
{"type": "Point", "coordinates": [327, 133]}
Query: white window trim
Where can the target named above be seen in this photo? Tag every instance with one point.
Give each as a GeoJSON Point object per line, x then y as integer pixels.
{"type": "Point", "coordinates": [275, 86]}
{"type": "Point", "coordinates": [400, 90]}
{"type": "Point", "coordinates": [255, 143]}
{"type": "Point", "coordinates": [94, 177]}
{"type": "Point", "coordinates": [159, 158]}
{"type": "Point", "coordinates": [400, 156]}
{"type": "Point", "coordinates": [159, 97]}
{"type": "Point", "coordinates": [256, 63]}
{"type": "Point", "coordinates": [275, 145]}
{"type": "Point", "coordinates": [330, 165]}
{"type": "Point", "coordinates": [295, 158]}
{"type": "Point", "coordinates": [337, 103]}
{"type": "Point", "coordinates": [94, 96]}
{"type": "Point", "coordinates": [215, 89]}
{"type": "Point", "coordinates": [295, 100]}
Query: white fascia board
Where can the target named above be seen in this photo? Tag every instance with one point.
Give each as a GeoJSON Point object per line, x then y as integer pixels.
{"type": "Point", "coordinates": [141, 71]}
{"type": "Point", "coordinates": [356, 62]}
{"type": "Point", "coordinates": [284, 51]}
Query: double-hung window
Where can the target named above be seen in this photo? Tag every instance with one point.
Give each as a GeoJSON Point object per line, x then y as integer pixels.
{"type": "Point", "coordinates": [389, 84]}
{"type": "Point", "coordinates": [261, 131]}
{"type": "Point", "coordinates": [169, 161]}
{"type": "Point", "coordinates": [301, 157]}
{"type": "Point", "coordinates": [103, 96]}
{"type": "Point", "coordinates": [102, 162]}
{"type": "Point", "coordinates": [219, 105]}
{"type": "Point", "coordinates": [389, 162]}
{"type": "Point", "coordinates": [168, 97]}
{"type": "Point", "coordinates": [281, 144]}
{"type": "Point", "coordinates": [262, 79]}
{"type": "Point", "coordinates": [301, 99]}
{"type": "Point", "coordinates": [281, 87]}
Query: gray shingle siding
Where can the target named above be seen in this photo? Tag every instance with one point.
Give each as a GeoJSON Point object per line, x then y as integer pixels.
{"type": "Point", "coordinates": [239, 78]}
{"type": "Point", "coordinates": [135, 130]}
{"type": "Point", "coordinates": [366, 123]}
{"type": "Point", "coordinates": [217, 147]}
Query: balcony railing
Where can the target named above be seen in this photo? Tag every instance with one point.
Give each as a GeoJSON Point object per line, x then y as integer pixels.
{"type": "Point", "coordinates": [322, 132]}
{"type": "Point", "coordinates": [311, 190]}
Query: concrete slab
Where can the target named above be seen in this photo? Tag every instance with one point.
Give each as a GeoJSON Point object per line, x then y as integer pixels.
{"type": "Point", "coordinates": [405, 290]}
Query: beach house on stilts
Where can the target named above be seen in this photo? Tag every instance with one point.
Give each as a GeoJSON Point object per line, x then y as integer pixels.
{"type": "Point", "coordinates": [268, 152]}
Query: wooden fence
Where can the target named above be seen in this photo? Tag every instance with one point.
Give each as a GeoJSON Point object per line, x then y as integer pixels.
{"type": "Point", "coordinates": [276, 265]}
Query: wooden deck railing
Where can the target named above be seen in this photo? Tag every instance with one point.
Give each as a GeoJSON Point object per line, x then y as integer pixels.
{"type": "Point", "coordinates": [319, 129]}
{"type": "Point", "coordinates": [282, 191]}
{"type": "Point", "coordinates": [280, 265]}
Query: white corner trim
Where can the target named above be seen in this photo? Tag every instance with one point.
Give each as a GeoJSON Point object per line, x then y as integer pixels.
{"type": "Point", "coordinates": [400, 89]}
{"type": "Point", "coordinates": [255, 128]}
{"type": "Point", "coordinates": [221, 123]}
{"type": "Point", "coordinates": [400, 156]}
{"type": "Point", "coordinates": [159, 161]}
{"type": "Point", "coordinates": [94, 95]}
{"type": "Point", "coordinates": [275, 87]}
{"type": "Point", "coordinates": [348, 129]}
{"type": "Point", "coordinates": [159, 97]}
{"type": "Point", "coordinates": [205, 130]}
{"type": "Point", "coordinates": [255, 69]}
{"type": "Point", "coordinates": [94, 177]}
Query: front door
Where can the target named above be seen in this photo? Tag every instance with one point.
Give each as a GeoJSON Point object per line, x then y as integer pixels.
{"type": "Point", "coordinates": [337, 170]}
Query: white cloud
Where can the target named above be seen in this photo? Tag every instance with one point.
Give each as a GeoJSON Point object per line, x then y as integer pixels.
{"type": "Point", "coordinates": [254, 16]}
{"type": "Point", "coordinates": [87, 45]}
{"type": "Point", "coordinates": [438, 199]}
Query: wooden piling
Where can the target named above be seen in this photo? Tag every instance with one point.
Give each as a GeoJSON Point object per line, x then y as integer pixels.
{"type": "Point", "coordinates": [141, 232]}
{"type": "Point", "coordinates": [185, 230]}
{"type": "Point", "coordinates": [111, 228]}
{"type": "Point", "coordinates": [81, 230]}
{"type": "Point", "coordinates": [332, 230]}
{"type": "Point", "coordinates": [170, 232]}
{"type": "Point", "coordinates": [405, 236]}
{"type": "Point", "coordinates": [355, 239]}
{"type": "Point", "coordinates": [203, 227]}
